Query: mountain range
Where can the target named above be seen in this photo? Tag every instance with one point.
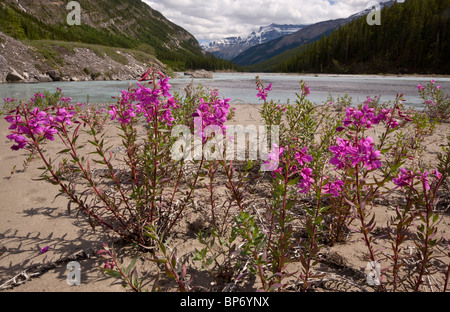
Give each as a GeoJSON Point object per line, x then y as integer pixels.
{"type": "Point", "coordinates": [250, 51]}
{"type": "Point", "coordinates": [117, 39]}
{"type": "Point", "coordinates": [230, 47]}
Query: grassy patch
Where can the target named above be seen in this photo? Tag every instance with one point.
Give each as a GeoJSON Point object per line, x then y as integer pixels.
{"type": "Point", "coordinates": [52, 50]}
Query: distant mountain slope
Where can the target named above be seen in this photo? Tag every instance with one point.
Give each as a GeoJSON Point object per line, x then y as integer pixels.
{"type": "Point", "coordinates": [30, 61]}
{"type": "Point", "coordinates": [311, 33]}
{"type": "Point", "coordinates": [122, 23]}
{"type": "Point", "coordinates": [128, 24]}
{"type": "Point", "coordinates": [262, 52]}
{"type": "Point", "coordinates": [228, 48]}
{"type": "Point", "coordinates": [414, 37]}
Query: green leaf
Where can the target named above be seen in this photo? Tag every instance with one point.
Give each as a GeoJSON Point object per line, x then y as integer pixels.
{"type": "Point", "coordinates": [435, 218]}
{"type": "Point", "coordinates": [278, 175]}
{"type": "Point", "coordinates": [168, 272]}
{"type": "Point", "coordinates": [324, 209]}
{"type": "Point", "coordinates": [158, 260]}
{"type": "Point", "coordinates": [151, 235]}
{"type": "Point", "coordinates": [293, 181]}
{"type": "Point", "coordinates": [111, 273]}
{"type": "Point", "coordinates": [131, 265]}
{"type": "Point", "coordinates": [64, 151]}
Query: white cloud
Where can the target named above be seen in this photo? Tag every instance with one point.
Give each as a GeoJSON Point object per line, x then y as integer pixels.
{"type": "Point", "coordinates": [214, 19]}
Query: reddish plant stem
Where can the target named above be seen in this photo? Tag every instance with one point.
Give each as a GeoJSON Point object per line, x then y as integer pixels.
{"type": "Point", "coordinates": [64, 188]}
{"type": "Point", "coordinates": [426, 240]}
{"type": "Point", "coordinates": [397, 242]}
{"type": "Point", "coordinates": [179, 176]}
{"type": "Point", "coordinates": [447, 276]}
{"type": "Point", "coordinates": [429, 199]}
{"type": "Point", "coordinates": [361, 214]}
{"type": "Point", "coordinates": [111, 171]}
{"type": "Point", "coordinates": [313, 236]}
{"type": "Point", "coordinates": [212, 172]}
{"type": "Point", "coordinates": [187, 198]}
{"type": "Point", "coordinates": [282, 260]}
{"type": "Point", "coordinates": [131, 145]}
{"type": "Point", "coordinates": [229, 173]}
{"type": "Point", "coordinates": [74, 155]}
{"type": "Point", "coordinates": [124, 276]}
{"type": "Point", "coordinates": [155, 163]}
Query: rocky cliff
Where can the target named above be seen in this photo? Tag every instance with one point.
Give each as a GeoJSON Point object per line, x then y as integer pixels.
{"type": "Point", "coordinates": [123, 21]}
{"type": "Point", "coordinates": [61, 61]}
{"type": "Point", "coordinates": [115, 40]}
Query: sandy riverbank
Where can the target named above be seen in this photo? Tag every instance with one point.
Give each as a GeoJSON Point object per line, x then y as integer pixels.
{"type": "Point", "coordinates": [31, 218]}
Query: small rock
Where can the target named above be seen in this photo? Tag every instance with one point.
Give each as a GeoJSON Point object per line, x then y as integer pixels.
{"type": "Point", "coordinates": [44, 78]}
{"type": "Point", "coordinates": [55, 75]}
{"type": "Point", "coordinates": [202, 74]}
{"type": "Point", "coordinates": [14, 76]}
{"type": "Point", "coordinates": [4, 69]}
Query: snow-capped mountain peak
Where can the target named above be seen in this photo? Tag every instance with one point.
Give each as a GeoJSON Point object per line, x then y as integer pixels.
{"type": "Point", "coordinates": [229, 47]}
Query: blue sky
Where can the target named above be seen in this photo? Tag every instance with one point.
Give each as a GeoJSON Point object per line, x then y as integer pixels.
{"type": "Point", "coordinates": [210, 20]}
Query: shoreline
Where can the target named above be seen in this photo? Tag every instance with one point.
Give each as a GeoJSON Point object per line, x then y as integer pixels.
{"type": "Point", "coordinates": [418, 76]}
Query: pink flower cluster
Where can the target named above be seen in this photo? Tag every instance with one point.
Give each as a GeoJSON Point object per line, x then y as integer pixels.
{"type": "Point", "coordinates": [66, 100]}
{"type": "Point", "coordinates": [349, 154]}
{"type": "Point", "coordinates": [369, 100]}
{"type": "Point", "coordinates": [306, 180]}
{"type": "Point", "coordinates": [9, 100]}
{"type": "Point", "coordinates": [39, 95]}
{"type": "Point", "coordinates": [263, 92]}
{"type": "Point", "coordinates": [433, 83]}
{"type": "Point", "coordinates": [406, 178]}
{"type": "Point", "coordinates": [212, 113]}
{"type": "Point", "coordinates": [431, 91]}
{"type": "Point", "coordinates": [306, 90]}
{"type": "Point", "coordinates": [156, 102]}
{"type": "Point", "coordinates": [38, 124]}
{"type": "Point", "coordinates": [273, 159]}
{"type": "Point", "coordinates": [302, 157]}
{"type": "Point", "coordinates": [333, 188]}
{"type": "Point", "coordinates": [365, 118]}
{"type": "Point", "coordinates": [306, 173]}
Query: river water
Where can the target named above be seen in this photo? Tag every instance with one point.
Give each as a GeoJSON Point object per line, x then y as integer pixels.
{"type": "Point", "coordinates": [241, 87]}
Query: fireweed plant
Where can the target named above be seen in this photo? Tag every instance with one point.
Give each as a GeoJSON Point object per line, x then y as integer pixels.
{"type": "Point", "coordinates": [331, 167]}
{"type": "Point", "coordinates": [135, 197]}
{"type": "Point", "coordinates": [437, 102]}
{"type": "Point", "coordinates": [293, 178]}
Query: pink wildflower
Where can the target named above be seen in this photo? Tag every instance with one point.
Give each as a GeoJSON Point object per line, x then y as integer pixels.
{"type": "Point", "coordinates": [307, 180]}
{"type": "Point", "coordinates": [334, 188]}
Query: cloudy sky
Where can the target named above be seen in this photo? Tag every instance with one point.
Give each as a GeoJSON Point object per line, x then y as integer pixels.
{"type": "Point", "coordinates": [210, 20]}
